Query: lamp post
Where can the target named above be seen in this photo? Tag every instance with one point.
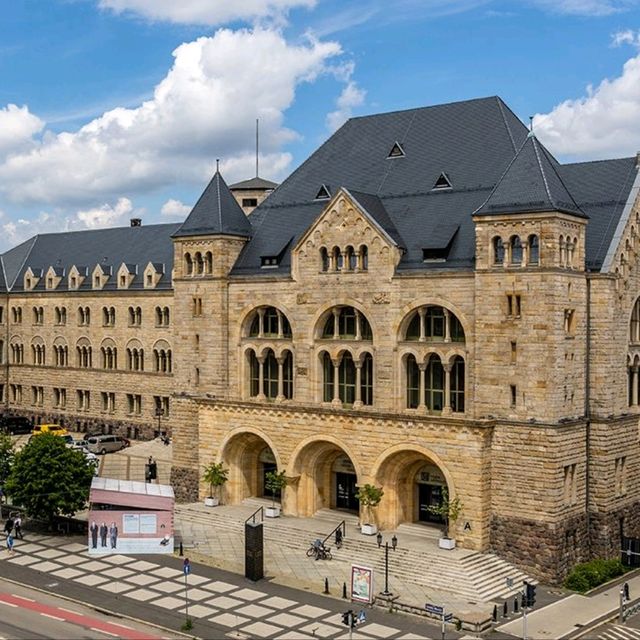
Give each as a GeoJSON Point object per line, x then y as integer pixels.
{"type": "Point", "coordinates": [394, 544]}
{"type": "Point", "coordinates": [159, 414]}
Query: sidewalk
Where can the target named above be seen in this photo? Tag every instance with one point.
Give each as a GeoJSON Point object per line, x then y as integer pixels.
{"type": "Point", "coordinates": [570, 615]}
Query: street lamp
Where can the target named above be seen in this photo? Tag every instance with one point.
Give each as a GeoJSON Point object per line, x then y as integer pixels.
{"type": "Point", "coordinates": [159, 414]}
{"type": "Point", "coordinates": [394, 544]}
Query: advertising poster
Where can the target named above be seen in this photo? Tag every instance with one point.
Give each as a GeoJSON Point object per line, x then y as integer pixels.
{"type": "Point", "coordinates": [361, 584]}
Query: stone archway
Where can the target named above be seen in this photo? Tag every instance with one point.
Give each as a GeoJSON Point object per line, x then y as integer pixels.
{"type": "Point", "coordinates": [248, 456]}
{"type": "Point", "coordinates": [413, 479]}
{"type": "Point", "coordinates": [326, 477]}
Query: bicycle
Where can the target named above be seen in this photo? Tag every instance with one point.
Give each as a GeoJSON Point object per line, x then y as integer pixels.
{"type": "Point", "coordinates": [320, 552]}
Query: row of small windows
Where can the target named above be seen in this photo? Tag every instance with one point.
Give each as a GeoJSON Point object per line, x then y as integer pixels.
{"type": "Point", "coordinates": [514, 252]}
{"type": "Point", "coordinates": [426, 324]}
{"type": "Point", "coordinates": [135, 356]}
{"type": "Point", "coordinates": [198, 264]}
{"type": "Point", "coordinates": [348, 260]}
{"type": "Point", "coordinates": [134, 315]}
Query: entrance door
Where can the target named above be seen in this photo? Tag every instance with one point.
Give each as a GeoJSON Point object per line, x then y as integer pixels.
{"type": "Point", "coordinates": [429, 495]}
{"type": "Point", "coordinates": [266, 468]}
{"type": "Point", "coordinates": [346, 491]}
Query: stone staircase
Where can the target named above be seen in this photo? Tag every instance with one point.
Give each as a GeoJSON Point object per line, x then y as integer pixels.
{"type": "Point", "coordinates": [472, 576]}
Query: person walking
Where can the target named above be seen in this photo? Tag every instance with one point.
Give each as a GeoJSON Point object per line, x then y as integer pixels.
{"type": "Point", "coordinates": [17, 525]}
{"type": "Point", "coordinates": [8, 525]}
{"type": "Point", "coordinates": [10, 544]}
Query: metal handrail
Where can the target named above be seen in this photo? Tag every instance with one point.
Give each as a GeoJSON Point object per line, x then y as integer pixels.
{"type": "Point", "coordinates": [252, 517]}
{"type": "Point", "coordinates": [343, 526]}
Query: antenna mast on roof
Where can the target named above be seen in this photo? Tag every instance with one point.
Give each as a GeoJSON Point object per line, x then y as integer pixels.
{"type": "Point", "coordinates": [530, 126]}
{"type": "Point", "coordinates": [257, 144]}
{"type": "Point", "coordinates": [217, 165]}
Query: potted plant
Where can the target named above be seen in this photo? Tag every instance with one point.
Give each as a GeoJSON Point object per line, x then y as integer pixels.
{"type": "Point", "coordinates": [449, 510]}
{"type": "Point", "coordinates": [369, 497]}
{"type": "Point", "coordinates": [215, 475]}
{"type": "Point", "coordinates": [274, 482]}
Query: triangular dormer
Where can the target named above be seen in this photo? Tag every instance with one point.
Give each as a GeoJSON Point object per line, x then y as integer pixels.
{"type": "Point", "coordinates": [324, 193]}
{"type": "Point", "coordinates": [442, 182]}
{"type": "Point", "coordinates": [153, 273]}
{"type": "Point", "coordinates": [396, 151]}
{"type": "Point", "coordinates": [53, 278]}
{"type": "Point", "coordinates": [100, 276]}
{"type": "Point", "coordinates": [126, 275]}
{"type": "Point", "coordinates": [32, 277]}
{"type": "Point", "coordinates": [77, 276]}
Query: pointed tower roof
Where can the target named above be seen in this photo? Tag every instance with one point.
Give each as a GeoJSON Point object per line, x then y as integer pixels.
{"type": "Point", "coordinates": [216, 213]}
{"type": "Point", "coordinates": [530, 183]}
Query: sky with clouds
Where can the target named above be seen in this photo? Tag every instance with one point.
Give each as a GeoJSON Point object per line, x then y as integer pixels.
{"type": "Point", "coordinates": [111, 109]}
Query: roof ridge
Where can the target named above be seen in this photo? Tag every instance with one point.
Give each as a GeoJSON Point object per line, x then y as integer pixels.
{"type": "Point", "coordinates": [534, 141]}
{"type": "Point", "coordinates": [555, 171]}
{"type": "Point", "coordinates": [27, 254]}
{"type": "Point", "coordinates": [506, 124]}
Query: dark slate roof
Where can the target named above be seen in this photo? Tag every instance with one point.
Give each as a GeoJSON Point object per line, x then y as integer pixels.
{"type": "Point", "coordinates": [374, 207]}
{"type": "Point", "coordinates": [253, 184]}
{"type": "Point", "coordinates": [530, 183]}
{"type": "Point", "coordinates": [84, 249]}
{"type": "Point", "coordinates": [216, 213]}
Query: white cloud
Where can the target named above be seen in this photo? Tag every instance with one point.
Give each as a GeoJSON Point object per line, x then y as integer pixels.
{"type": "Point", "coordinates": [628, 36]}
{"type": "Point", "coordinates": [106, 215]}
{"type": "Point", "coordinates": [204, 108]}
{"type": "Point", "coordinates": [351, 96]}
{"type": "Point", "coordinates": [208, 12]}
{"type": "Point", "coordinates": [17, 128]}
{"type": "Point", "coordinates": [603, 123]}
{"type": "Point", "coordinates": [175, 209]}
{"type": "Point", "coordinates": [586, 7]}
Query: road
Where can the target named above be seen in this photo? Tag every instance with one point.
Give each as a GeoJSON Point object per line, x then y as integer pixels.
{"type": "Point", "coordinates": [32, 615]}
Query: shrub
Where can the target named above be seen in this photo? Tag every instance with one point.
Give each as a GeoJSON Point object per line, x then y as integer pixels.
{"type": "Point", "coordinates": [588, 575]}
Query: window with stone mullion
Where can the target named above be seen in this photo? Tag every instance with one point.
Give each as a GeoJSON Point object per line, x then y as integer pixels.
{"type": "Point", "coordinates": [413, 383]}
{"type": "Point", "coordinates": [270, 376]}
{"type": "Point", "coordinates": [366, 381]}
{"type": "Point", "coordinates": [434, 384]}
{"type": "Point", "coordinates": [327, 378]}
{"type": "Point", "coordinates": [347, 380]}
{"type": "Point", "coordinates": [287, 373]}
{"type": "Point", "coordinates": [457, 385]}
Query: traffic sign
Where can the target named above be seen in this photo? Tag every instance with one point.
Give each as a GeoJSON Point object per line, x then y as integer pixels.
{"type": "Point", "coordinates": [186, 567]}
{"type": "Point", "coordinates": [434, 608]}
{"type": "Point", "coordinates": [448, 617]}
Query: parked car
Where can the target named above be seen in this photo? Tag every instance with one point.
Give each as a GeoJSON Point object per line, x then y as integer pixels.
{"type": "Point", "coordinates": [105, 444]}
{"type": "Point", "coordinates": [56, 429]}
{"type": "Point", "coordinates": [14, 425]}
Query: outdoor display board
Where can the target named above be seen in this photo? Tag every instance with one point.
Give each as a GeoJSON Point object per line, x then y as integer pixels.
{"type": "Point", "coordinates": [361, 584]}
{"type": "Point", "coordinates": [130, 517]}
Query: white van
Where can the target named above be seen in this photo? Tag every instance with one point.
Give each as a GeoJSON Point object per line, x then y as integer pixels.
{"type": "Point", "coordinates": [105, 444]}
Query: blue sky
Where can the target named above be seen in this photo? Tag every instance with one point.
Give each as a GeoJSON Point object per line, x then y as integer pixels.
{"type": "Point", "coordinates": [116, 108]}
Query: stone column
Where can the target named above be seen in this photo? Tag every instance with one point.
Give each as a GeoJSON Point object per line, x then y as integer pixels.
{"type": "Point", "coordinates": [634, 386]}
{"type": "Point", "coordinates": [423, 374]}
{"type": "Point", "coordinates": [280, 324]}
{"type": "Point", "coordinates": [280, 397]}
{"type": "Point", "coordinates": [261, 322]}
{"type": "Point", "coordinates": [336, 389]}
{"type": "Point", "coordinates": [447, 325]}
{"type": "Point", "coordinates": [446, 410]}
{"type": "Point", "coordinates": [422, 312]}
{"type": "Point", "coordinates": [358, 325]}
{"type": "Point", "coordinates": [336, 323]}
{"type": "Point", "coordinates": [358, 401]}
{"type": "Point", "coordinates": [261, 396]}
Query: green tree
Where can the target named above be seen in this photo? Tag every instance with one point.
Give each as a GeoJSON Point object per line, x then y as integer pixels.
{"type": "Point", "coordinates": [50, 479]}
{"type": "Point", "coordinates": [215, 475]}
{"type": "Point", "coordinates": [275, 482]}
{"type": "Point", "coordinates": [7, 455]}
{"type": "Point", "coordinates": [449, 510]}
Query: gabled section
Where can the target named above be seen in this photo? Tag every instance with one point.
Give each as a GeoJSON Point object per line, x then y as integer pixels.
{"type": "Point", "coordinates": [273, 260]}
{"type": "Point", "coordinates": [32, 277]}
{"type": "Point", "coordinates": [100, 276]}
{"type": "Point", "coordinates": [153, 273]}
{"type": "Point", "coordinates": [439, 243]}
{"type": "Point", "coordinates": [530, 184]}
{"type": "Point", "coordinates": [216, 213]}
{"type": "Point", "coordinates": [396, 151]}
{"type": "Point", "coordinates": [77, 275]}
{"type": "Point", "coordinates": [324, 193]}
{"type": "Point", "coordinates": [126, 275]}
{"type": "Point", "coordinates": [442, 182]}
{"type": "Point", "coordinates": [53, 277]}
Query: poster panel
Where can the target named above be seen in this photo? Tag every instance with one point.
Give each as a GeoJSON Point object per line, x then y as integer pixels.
{"type": "Point", "coordinates": [361, 584]}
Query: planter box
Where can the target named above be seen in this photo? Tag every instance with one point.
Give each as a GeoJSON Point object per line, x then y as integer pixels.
{"type": "Point", "coordinates": [211, 502]}
{"type": "Point", "coordinates": [369, 529]}
{"type": "Point", "coordinates": [272, 512]}
{"type": "Point", "coordinates": [447, 543]}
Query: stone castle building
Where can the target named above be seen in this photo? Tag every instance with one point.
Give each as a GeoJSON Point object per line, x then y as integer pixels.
{"type": "Point", "coordinates": [431, 300]}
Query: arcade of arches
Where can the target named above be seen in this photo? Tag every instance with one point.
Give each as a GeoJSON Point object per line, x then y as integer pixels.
{"type": "Point", "coordinates": [322, 475]}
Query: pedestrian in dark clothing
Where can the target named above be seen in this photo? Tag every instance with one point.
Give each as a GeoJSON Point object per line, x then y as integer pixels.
{"type": "Point", "coordinates": [338, 538]}
{"type": "Point", "coordinates": [113, 534]}
{"type": "Point", "coordinates": [104, 530]}
{"type": "Point", "coordinates": [94, 534]}
{"type": "Point", "coordinates": [17, 525]}
{"type": "Point", "coordinates": [8, 525]}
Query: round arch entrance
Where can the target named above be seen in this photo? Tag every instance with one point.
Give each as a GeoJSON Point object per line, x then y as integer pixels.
{"type": "Point", "coordinates": [413, 481]}
{"type": "Point", "coordinates": [249, 458]}
{"type": "Point", "coordinates": [327, 478]}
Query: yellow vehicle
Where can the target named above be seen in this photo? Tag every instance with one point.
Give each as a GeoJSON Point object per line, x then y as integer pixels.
{"type": "Point", "coordinates": [56, 429]}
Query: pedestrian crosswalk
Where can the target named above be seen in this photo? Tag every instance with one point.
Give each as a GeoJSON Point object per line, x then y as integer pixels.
{"type": "Point", "coordinates": [619, 632]}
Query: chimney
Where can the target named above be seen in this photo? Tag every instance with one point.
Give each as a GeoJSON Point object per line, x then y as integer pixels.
{"type": "Point", "coordinates": [136, 222]}
{"type": "Point", "coordinates": [638, 160]}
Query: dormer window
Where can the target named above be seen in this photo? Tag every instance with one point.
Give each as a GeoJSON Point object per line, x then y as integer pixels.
{"type": "Point", "coordinates": [323, 193]}
{"type": "Point", "coordinates": [123, 281]}
{"type": "Point", "coordinates": [49, 283]}
{"type": "Point", "coordinates": [442, 182]}
{"type": "Point", "coordinates": [396, 151]}
{"type": "Point", "coordinates": [28, 283]}
{"type": "Point", "coordinates": [269, 262]}
{"type": "Point", "coordinates": [74, 282]}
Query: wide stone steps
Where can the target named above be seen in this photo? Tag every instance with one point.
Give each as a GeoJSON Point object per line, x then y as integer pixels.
{"type": "Point", "coordinates": [474, 576]}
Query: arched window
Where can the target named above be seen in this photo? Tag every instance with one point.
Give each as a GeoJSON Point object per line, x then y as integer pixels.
{"type": "Point", "coordinates": [165, 316]}
{"type": "Point", "coordinates": [347, 379]}
{"type": "Point", "coordinates": [534, 249]}
{"type": "Point", "coordinates": [188, 264]}
{"type": "Point", "coordinates": [354, 381]}
{"type": "Point", "coordinates": [457, 385]}
{"type": "Point", "coordinates": [413, 382]}
{"type": "Point", "coordinates": [634, 329]}
{"type": "Point", "coordinates": [366, 380]}
{"type": "Point", "coordinates": [327, 377]}
{"type": "Point", "coordinates": [287, 375]}
{"type": "Point", "coordinates": [434, 390]}
{"type": "Point", "coordinates": [351, 259]}
{"type": "Point", "coordinates": [208, 263]}
{"type": "Point", "coordinates": [199, 263]}
{"type": "Point", "coordinates": [363, 257]}
{"type": "Point", "coordinates": [264, 375]}
{"type": "Point", "coordinates": [563, 248]}
{"type": "Point", "coordinates": [347, 323]}
{"type": "Point", "coordinates": [269, 322]}
{"type": "Point", "coordinates": [434, 324]}
{"type": "Point", "coordinates": [498, 250]}
{"type": "Point", "coordinates": [324, 259]}
{"type": "Point", "coordinates": [516, 250]}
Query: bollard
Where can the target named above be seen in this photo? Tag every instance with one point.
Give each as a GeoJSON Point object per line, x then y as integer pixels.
{"type": "Point", "coordinates": [181, 550]}
{"type": "Point", "coordinates": [495, 613]}
{"type": "Point", "coordinates": [627, 596]}
{"type": "Point", "coordinates": [326, 585]}
{"type": "Point", "coordinates": [344, 590]}
{"type": "Point", "coordinates": [515, 605]}
{"type": "Point", "coordinates": [505, 610]}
